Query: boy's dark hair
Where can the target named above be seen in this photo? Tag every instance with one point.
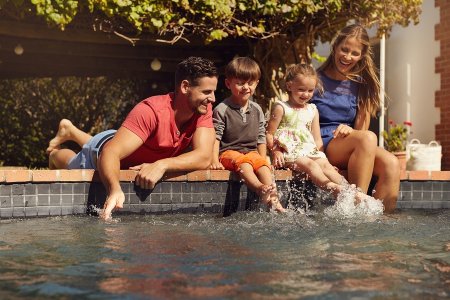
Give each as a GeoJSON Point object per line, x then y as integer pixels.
{"type": "Point", "coordinates": [194, 68]}
{"type": "Point", "coordinates": [243, 68]}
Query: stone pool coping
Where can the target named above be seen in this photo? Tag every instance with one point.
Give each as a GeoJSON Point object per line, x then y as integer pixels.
{"type": "Point", "coordinates": [8, 175]}
{"type": "Point", "coordinates": [31, 193]}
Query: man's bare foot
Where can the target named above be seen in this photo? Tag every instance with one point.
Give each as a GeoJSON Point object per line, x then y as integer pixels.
{"type": "Point", "coordinates": [63, 134]}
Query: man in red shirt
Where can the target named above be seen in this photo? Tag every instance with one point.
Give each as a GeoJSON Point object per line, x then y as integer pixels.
{"type": "Point", "coordinates": [152, 139]}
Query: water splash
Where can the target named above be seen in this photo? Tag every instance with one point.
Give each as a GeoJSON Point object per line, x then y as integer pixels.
{"type": "Point", "coordinates": [346, 207]}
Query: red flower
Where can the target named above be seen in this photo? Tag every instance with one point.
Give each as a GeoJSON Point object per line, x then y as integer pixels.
{"type": "Point", "coordinates": [408, 123]}
{"type": "Point", "coordinates": [391, 122]}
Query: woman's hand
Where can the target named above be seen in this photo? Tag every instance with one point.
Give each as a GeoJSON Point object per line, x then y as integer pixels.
{"type": "Point", "coordinates": [342, 131]}
{"type": "Point", "coordinates": [277, 159]}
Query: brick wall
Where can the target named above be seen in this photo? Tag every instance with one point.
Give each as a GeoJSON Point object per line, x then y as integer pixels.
{"type": "Point", "coordinates": [442, 66]}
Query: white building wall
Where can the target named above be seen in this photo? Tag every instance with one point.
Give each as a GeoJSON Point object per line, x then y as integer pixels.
{"type": "Point", "coordinates": [411, 81]}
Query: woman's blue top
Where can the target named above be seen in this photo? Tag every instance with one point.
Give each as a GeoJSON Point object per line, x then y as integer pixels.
{"type": "Point", "coordinates": [336, 105]}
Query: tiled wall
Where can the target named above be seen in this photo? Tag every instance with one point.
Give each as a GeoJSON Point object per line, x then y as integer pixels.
{"type": "Point", "coordinates": [27, 193]}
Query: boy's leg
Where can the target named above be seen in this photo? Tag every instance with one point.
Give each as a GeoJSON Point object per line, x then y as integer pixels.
{"type": "Point", "coordinates": [264, 190]}
{"type": "Point", "coordinates": [265, 175]}
{"type": "Point", "coordinates": [68, 132]}
{"type": "Point", "coordinates": [249, 177]}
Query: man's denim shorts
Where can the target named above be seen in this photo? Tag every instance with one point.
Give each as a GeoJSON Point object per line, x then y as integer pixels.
{"type": "Point", "coordinates": [87, 157]}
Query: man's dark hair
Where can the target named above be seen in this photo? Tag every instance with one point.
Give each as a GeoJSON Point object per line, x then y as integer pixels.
{"type": "Point", "coordinates": [194, 68]}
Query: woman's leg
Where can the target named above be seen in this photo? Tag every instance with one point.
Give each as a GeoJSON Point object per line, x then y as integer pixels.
{"type": "Point", "coordinates": [387, 169]}
{"type": "Point", "coordinates": [356, 153]}
{"type": "Point", "coordinates": [67, 132]}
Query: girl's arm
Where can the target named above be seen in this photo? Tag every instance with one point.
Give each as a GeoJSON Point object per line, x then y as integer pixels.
{"type": "Point", "coordinates": [274, 121]}
{"type": "Point", "coordinates": [315, 130]}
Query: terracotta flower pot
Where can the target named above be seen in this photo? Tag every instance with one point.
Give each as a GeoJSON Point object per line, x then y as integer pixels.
{"type": "Point", "coordinates": [402, 159]}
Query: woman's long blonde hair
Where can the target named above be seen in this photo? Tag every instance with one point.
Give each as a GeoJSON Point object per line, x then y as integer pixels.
{"type": "Point", "coordinates": [364, 72]}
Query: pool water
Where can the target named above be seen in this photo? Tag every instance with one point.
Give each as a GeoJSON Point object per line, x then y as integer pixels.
{"type": "Point", "coordinates": [249, 255]}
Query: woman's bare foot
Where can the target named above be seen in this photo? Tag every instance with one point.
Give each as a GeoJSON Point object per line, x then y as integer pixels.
{"type": "Point", "coordinates": [63, 134]}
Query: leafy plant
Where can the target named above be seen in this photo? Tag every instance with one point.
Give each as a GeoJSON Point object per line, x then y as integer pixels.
{"type": "Point", "coordinates": [396, 136]}
{"type": "Point", "coordinates": [30, 111]}
{"type": "Point", "coordinates": [279, 32]}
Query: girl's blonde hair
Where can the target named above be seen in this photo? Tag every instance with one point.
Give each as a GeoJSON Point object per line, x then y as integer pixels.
{"type": "Point", "coordinates": [304, 70]}
{"type": "Point", "coordinates": [364, 72]}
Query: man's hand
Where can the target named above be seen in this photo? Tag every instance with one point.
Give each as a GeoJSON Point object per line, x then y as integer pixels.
{"type": "Point", "coordinates": [114, 200]}
{"type": "Point", "coordinates": [149, 174]}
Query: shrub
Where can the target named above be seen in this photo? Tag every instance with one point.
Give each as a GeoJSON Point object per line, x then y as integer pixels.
{"type": "Point", "coordinates": [30, 111]}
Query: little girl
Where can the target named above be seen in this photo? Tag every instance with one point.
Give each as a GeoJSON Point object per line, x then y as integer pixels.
{"type": "Point", "coordinates": [293, 132]}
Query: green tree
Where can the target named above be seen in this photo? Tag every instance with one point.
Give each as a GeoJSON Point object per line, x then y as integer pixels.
{"type": "Point", "coordinates": [279, 32]}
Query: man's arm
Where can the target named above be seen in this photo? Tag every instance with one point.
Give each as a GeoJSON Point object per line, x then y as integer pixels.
{"type": "Point", "coordinates": [215, 164]}
{"type": "Point", "coordinates": [199, 158]}
{"type": "Point", "coordinates": [121, 145]}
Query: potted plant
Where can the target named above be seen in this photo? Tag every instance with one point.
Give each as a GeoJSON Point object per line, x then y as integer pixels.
{"type": "Point", "coordinates": [395, 139]}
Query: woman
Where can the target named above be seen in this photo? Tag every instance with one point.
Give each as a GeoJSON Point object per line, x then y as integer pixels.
{"type": "Point", "coordinates": [351, 96]}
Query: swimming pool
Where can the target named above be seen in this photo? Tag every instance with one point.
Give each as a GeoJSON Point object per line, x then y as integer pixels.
{"type": "Point", "coordinates": [249, 255]}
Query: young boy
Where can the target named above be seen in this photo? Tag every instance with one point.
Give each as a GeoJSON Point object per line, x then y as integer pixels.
{"type": "Point", "coordinates": [240, 132]}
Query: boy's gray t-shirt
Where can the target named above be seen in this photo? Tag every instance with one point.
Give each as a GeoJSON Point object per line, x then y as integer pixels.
{"type": "Point", "coordinates": [238, 130]}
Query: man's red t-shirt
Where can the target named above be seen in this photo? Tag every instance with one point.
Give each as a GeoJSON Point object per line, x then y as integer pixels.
{"type": "Point", "coordinates": [153, 121]}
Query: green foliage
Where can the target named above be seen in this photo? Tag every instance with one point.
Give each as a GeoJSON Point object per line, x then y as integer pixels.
{"type": "Point", "coordinates": [396, 136]}
{"type": "Point", "coordinates": [30, 111]}
{"type": "Point", "coordinates": [280, 32]}
{"type": "Point", "coordinates": [249, 18]}
{"type": "Point", "coordinates": [59, 12]}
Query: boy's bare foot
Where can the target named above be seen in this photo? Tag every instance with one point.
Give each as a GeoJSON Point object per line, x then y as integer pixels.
{"type": "Point", "coordinates": [63, 134]}
{"type": "Point", "coordinates": [269, 196]}
{"type": "Point", "coordinates": [276, 204]}
{"type": "Point", "coordinates": [264, 193]}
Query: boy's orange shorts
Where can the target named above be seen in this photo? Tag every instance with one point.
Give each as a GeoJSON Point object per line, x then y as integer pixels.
{"type": "Point", "coordinates": [232, 160]}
